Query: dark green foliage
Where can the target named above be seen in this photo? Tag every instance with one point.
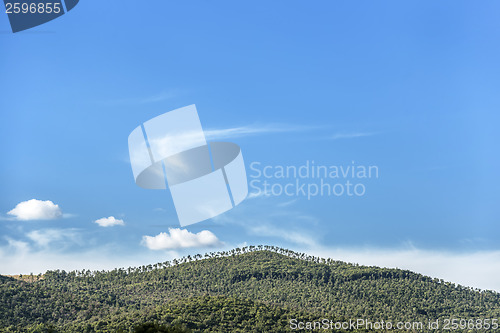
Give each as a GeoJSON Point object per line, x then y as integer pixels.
{"type": "Point", "coordinates": [156, 328]}
{"type": "Point", "coordinates": [201, 314]}
{"type": "Point", "coordinates": [255, 289]}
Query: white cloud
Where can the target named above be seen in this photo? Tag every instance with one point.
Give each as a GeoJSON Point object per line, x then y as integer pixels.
{"type": "Point", "coordinates": [109, 222]}
{"type": "Point", "coordinates": [180, 238]}
{"type": "Point", "coordinates": [36, 210]}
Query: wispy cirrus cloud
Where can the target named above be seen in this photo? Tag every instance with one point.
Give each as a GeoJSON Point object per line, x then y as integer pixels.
{"type": "Point", "coordinates": [154, 98]}
{"type": "Point", "coordinates": [16, 246]}
{"type": "Point", "coordinates": [351, 135]}
{"type": "Point", "coordinates": [241, 131]}
{"type": "Point", "coordinates": [172, 140]}
{"type": "Point", "coordinates": [162, 96]}
{"type": "Point", "coordinates": [45, 237]}
{"type": "Point", "coordinates": [296, 236]}
{"type": "Point", "coordinates": [273, 219]}
{"type": "Point", "coordinates": [171, 143]}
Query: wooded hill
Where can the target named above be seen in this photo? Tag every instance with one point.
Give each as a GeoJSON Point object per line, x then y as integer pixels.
{"type": "Point", "coordinates": [254, 289]}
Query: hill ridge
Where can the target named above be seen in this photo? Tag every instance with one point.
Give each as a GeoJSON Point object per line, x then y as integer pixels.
{"type": "Point", "coordinates": [287, 282]}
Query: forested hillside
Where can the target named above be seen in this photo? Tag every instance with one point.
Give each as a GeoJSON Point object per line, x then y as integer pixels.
{"type": "Point", "coordinates": [254, 289]}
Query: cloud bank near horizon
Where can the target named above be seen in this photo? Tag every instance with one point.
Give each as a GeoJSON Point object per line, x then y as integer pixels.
{"type": "Point", "coordinates": [472, 269]}
{"type": "Point", "coordinates": [478, 269]}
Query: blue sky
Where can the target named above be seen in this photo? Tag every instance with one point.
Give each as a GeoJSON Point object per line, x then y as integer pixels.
{"type": "Point", "coordinates": [411, 87]}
